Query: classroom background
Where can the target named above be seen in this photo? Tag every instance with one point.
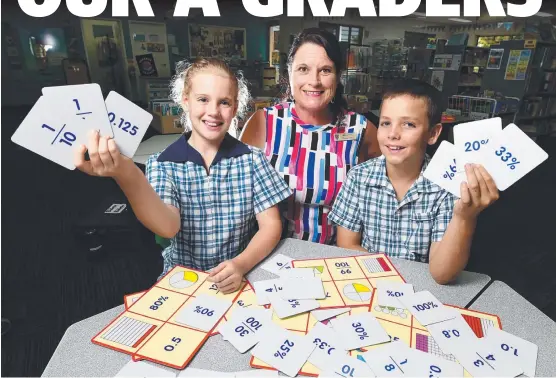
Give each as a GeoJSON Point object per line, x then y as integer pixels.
{"type": "Point", "coordinates": [63, 260]}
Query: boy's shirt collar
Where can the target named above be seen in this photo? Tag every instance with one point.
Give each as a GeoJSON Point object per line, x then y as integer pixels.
{"type": "Point", "coordinates": [379, 178]}
{"type": "Point", "coordinates": [421, 185]}
{"type": "Point", "coordinates": [181, 151]}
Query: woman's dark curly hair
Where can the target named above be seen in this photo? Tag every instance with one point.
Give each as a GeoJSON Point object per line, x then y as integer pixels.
{"type": "Point", "coordinates": [329, 42]}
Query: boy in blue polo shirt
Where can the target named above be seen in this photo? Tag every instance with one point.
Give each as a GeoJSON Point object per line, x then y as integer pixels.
{"type": "Point", "coordinates": [213, 196]}
{"type": "Point", "coordinates": [386, 205]}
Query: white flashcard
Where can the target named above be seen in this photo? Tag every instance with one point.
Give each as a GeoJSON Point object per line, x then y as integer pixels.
{"type": "Point", "coordinates": [44, 132]}
{"type": "Point", "coordinates": [421, 364]}
{"type": "Point", "coordinates": [286, 308]}
{"type": "Point", "coordinates": [129, 122]}
{"type": "Point", "coordinates": [277, 264]}
{"type": "Point", "coordinates": [283, 350]}
{"type": "Point", "coordinates": [328, 345]}
{"type": "Point", "coordinates": [263, 288]}
{"type": "Point", "coordinates": [388, 360]}
{"type": "Point", "coordinates": [203, 312]}
{"type": "Point", "coordinates": [511, 155]}
{"type": "Point", "coordinates": [302, 288]}
{"type": "Point", "coordinates": [81, 107]}
{"type": "Point", "coordinates": [244, 328]}
{"type": "Point", "coordinates": [523, 352]}
{"type": "Point", "coordinates": [347, 366]}
{"type": "Point", "coordinates": [481, 359]}
{"type": "Point", "coordinates": [143, 369]}
{"type": "Point", "coordinates": [451, 332]}
{"type": "Point", "coordinates": [322, 315]}
{"type": "Point", "coordinates": [426, 308]}
{"type": "Point", "coordinates": [471, 137]}
{"type": "Point", "coordinates": [360, 330]}
{"type": "Point", "coordinates": [444, 170]}
{"type": "Point", "coordinates": [298, 273]}
{"type": "Point", "coordinates": [390, 291]}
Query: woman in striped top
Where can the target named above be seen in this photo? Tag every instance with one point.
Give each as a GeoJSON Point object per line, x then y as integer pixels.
{"type": "Point", "coordinates": [312, 140]}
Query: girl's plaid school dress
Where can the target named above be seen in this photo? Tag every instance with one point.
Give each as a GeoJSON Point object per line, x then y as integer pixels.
{"type": "Point", "coordinates": [218, 209]}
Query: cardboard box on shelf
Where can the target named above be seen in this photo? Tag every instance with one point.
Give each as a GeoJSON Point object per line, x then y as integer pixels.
{"type": "Point", "coordinates": [167, 124]}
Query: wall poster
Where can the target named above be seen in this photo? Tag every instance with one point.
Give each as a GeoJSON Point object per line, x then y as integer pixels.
{"type": "Point", "coordinates": [518, 62]}
{"type": "Point", "coordinates": [495, 59]}
{"type": "Point", "coordinates": [146, 64]}
{"type": "Point", "coordinates": [450, 62]}
{"type": "Point", "coordinates": [437, 80]}
{"type": "Point", "coordinates": [217, 41]}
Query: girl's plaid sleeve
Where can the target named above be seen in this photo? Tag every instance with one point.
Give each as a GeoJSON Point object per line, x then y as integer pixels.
{"type": "Point", "coordinates": [161, 181]}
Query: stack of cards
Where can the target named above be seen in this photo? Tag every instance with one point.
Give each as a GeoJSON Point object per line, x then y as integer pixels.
{"type": "Point", "coordinates": [507, 155]}
{"type": "Point", "coordinates": [63, 116]}
{"type": "Point", "coordinates": [292, 295]}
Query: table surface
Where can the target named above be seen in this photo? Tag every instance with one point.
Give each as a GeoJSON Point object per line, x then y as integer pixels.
{"type": "Point", "coordinates": [77, 356]}
{"type": "Point", "coordinates": [521, 318]}
{"type": "Point", "coordinates": [153, 145]}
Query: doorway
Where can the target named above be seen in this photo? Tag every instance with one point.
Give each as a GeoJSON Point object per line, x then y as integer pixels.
{"type": "Point", "coordinates": [106, 55]}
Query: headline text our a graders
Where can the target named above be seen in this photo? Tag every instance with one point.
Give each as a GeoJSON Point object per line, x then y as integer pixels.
{"type": "Point", "coordinates": [292, 8]}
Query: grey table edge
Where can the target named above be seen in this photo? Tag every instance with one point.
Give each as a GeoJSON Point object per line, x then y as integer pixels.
{"type": "Point", "coordinates": [215, 353]}
{"type": "Point", "coordinates": [521, 318]}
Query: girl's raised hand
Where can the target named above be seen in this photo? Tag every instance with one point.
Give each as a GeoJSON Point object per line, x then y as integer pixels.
{"type": "Point", "coordinates": [105, 157]}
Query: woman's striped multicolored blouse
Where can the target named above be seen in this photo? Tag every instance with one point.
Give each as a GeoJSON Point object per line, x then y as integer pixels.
{"type": "Point", "coordinates": [314, 160]}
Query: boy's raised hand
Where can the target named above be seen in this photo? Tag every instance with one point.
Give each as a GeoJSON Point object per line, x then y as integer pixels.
{"type": "Point", "coordinates": [227, 276]}
{"type": "Point", "coordinates": [105, 157]}
{"type": "Point", "coordinates": [478, 193]}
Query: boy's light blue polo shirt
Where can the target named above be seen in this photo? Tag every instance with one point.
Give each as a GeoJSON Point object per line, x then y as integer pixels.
{"type": "Point", "coordinates": [367, 203]}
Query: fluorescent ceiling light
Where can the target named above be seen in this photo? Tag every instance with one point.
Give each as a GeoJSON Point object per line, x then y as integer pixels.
{"type": "Point", "coordinates": [459, 20]}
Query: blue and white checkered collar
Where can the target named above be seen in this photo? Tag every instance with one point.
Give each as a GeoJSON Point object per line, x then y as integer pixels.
{"type": "Point", "coordinates": [422, 185]}
{"type": "Point", "coordinates": [180, 151]}
{"type": "Point", "coordinates": [379, 177]}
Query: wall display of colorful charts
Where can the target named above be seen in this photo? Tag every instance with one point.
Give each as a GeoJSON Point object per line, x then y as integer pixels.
{"type": "Point", "coordinates": [517, 64]}
{"type": "Point", "coordinates": [217, 41]}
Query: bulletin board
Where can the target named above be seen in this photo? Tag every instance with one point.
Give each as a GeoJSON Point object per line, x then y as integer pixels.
{"type": "Point", "coordinates": [515, 64]}
{"type": "Point", "coordinates": [217, 41]}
